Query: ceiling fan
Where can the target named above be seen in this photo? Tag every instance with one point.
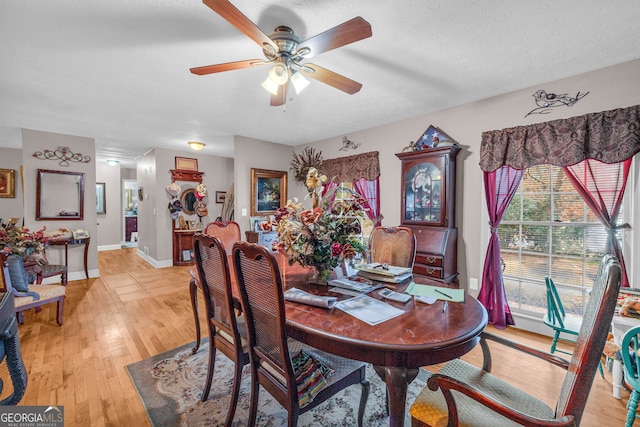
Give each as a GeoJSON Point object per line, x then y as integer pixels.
{"type": "Point", "coordinates": [286, 51]}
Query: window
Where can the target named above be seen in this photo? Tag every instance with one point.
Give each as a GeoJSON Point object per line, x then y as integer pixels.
{"type": "Point", "coordinates": [548, 230]}
{"type": "Point", "coordinates": [346, 192]}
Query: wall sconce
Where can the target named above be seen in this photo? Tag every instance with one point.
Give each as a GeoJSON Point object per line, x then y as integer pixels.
{"type": "Point", "coordinates": [196, 145]}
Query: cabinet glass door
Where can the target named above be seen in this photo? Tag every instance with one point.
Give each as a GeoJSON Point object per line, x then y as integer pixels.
{"type": "Point", "coordinates": [422, 188]}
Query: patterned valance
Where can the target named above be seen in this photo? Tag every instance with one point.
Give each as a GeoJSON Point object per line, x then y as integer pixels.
{"type": "Point", "coordinates": [609, 137]}
{"type": "Point", "coordinates": [352, 168]}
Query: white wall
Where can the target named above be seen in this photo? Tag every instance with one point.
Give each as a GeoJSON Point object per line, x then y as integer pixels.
{"type": "Point", "coordinates": [610, 88]}
{"type": "Point", "coordinates": [154, 222]}
{"type": "Point", "coordinates": [34, 141]}
{"type": "Point", "coordinates": [252, 153]}
{"type": "Point", "coordinates": [110, 223]}
{"type": "Point", "coordinates": [11, 158]}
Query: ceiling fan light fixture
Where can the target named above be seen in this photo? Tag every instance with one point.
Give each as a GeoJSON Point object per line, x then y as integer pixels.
{"type": "Point", "coordinates": [196, 145]}
{"type": "Point", "coordinates": [270, 86]}
{"type": "Point", "coordinates": [279, 74]}
{"type": "Point", "coordinates": [299, 82]}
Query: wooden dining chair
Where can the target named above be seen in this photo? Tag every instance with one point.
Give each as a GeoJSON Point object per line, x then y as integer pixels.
{"type": "Point", "coordinates": [466, 395]}
{"type": "Point", "coordinates": [227, 332]}
{"type": "Point", "coordinates": [228, 232]}
{"type": "Point", "coordinates": [273, 355]}
{"type": "Point", "coordinates": [630, 351]}
{"type": "Point", "coordinates": [34, 296]}
{"type": "Point", "coordinates": [392, 245]}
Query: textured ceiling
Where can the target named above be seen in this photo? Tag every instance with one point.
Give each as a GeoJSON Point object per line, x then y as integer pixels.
{"type": "Point", "coordinates": [118, 70]}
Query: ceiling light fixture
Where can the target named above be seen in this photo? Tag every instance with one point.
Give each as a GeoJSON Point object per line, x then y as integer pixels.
{"type": "Point", "coordinates": [112, 162]}
{"type": "Point", "coordinates": [283, 71]}
{"type": "Point", "coordinates": [196, 145]}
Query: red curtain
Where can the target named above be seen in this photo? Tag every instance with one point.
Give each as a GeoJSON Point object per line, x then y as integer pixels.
{"type": "Point", "coordinates": [370, 190]}
{"type": "Point", "coordinates": [500, 186]}
{"type": "Point", "coordinates": [602, 186]}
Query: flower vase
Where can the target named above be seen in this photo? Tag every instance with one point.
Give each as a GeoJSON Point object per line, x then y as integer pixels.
{"type": "Point", "coordinates": [321, 274]}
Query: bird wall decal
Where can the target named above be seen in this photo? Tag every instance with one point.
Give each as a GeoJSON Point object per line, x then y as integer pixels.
{"type": "Point", "coordinates": [545, 101]}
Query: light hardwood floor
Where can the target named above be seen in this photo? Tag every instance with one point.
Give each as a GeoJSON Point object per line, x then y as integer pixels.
{"type": "Point", "coordinates": [135, 311]}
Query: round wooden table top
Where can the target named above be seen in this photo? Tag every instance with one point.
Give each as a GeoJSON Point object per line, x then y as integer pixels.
{"type": "Point", "coordinates": [424, 335]}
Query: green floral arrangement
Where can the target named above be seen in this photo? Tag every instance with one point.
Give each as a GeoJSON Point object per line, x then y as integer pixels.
{"type": "Point", "coordinates": [22, 241]}
{"type": "Point", "coordinates": [324, 236]}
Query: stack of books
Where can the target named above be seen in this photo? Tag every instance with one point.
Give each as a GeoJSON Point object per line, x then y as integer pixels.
{"type": "Point", "coordinates": [384, 272]}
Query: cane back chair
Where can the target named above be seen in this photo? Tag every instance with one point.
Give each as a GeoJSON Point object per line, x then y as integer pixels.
{"type": "Point", "coordinates": [272, 353]}
{"type": "Point", "coordinates": [392, 245]}
{"type": "Point", "coordinates": [227, 332]}
{"type": "Point", "coordinates": [470, 396]}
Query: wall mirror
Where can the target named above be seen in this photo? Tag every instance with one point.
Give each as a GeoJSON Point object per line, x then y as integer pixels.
{"type": "Point", "coordinates": [59, 195]}
{"type": "Point", "coordinates": [188, 200]}
{"type": "Point", "coordinates": [101, 198]}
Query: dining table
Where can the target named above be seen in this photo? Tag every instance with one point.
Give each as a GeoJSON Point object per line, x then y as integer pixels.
{"type": "Point", "coordinates": [425, 334]}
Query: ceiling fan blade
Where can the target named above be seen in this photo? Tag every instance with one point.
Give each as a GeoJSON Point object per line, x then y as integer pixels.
{"type": "Point", "coordinates": [228, 66]}
{"type": "Point", "coordinates": [281, 97]}
{"type": "Point", "coordinates": [332, 79]}
{"type": "Point", "coordinates": [348, 32]}
{"type": "Point", "coordinates": [240, 21]}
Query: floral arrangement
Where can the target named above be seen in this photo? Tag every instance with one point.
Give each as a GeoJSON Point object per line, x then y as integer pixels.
{"type": "Point", "coordinates": [22, 241]}
{"type": "Point", "coordinates": [324, 236]}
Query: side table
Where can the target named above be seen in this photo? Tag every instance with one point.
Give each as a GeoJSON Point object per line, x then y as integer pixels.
{"type": "Point", "coordinates": [72, 242]}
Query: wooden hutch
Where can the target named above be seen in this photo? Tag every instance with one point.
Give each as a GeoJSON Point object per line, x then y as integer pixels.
{"type": "Point", "coordinates": [428, 193]}
{"type": "Point", "coordinates": [183, 239]}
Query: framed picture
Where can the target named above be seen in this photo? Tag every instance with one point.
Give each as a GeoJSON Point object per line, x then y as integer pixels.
{"type": "Point", "coordinates": [268, 191]}
{"type": "Point", "coordinates": [431, 138]}
{"type": "Point", "coordinates": [186, 255]}
{"type": "Point", "coordinates": [140, 193]}
{"type": "Point", "coordinates": [221, 196]}
{"type": "Point", "coordinates": [255, 222]}
{"type": "Point", "coordinates": [8, 183]}
{"type": "Point", "coordinates": [101, 199]}
{"type": "Point", "coordinates": [187, 164]}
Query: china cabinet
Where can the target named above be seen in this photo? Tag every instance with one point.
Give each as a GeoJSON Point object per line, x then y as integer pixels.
{"type": "Point", "coordinates": [428, 196]}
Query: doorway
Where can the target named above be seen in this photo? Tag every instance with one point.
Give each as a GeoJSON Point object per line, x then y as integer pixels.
{"type": "Point", "coordinates": [130, 213]}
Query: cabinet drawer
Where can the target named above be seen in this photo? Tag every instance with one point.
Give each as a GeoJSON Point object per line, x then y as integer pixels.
{"type": "Point", "coordinates": [427, 270]}
{"type": "Point", "coordinates": [429, 259]}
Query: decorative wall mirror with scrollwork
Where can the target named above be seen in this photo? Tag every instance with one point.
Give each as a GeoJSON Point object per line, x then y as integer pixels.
{"type": "Point", "coordinates": [59, 195]}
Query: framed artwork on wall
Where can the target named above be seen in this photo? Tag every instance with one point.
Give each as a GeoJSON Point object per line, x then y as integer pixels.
{"type": "Point", "coordinates": [268, 191]}
{"type": "Point", "coordinates": [101, 198]}
{"type": "Point", "coordinates": [221, 196]}
{"type": "Point", "coordinates": [7, 183]}
{"type": "Point", "coordinates": [186, 164]}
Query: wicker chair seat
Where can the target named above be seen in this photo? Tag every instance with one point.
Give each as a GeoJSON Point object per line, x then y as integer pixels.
{"type": "Point", "coordinates": [46, 292]}
{"type": "Point", "coordinates": [431, 408]}
{"type": "Point", "coordinates": [242, 330]}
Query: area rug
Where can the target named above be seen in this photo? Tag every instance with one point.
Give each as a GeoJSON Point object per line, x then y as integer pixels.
{"type": "Point", "coordinates": [170, 385]}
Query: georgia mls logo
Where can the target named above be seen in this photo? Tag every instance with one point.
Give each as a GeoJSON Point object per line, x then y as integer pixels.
{"type": "Point", "coordinates": [32, 416]}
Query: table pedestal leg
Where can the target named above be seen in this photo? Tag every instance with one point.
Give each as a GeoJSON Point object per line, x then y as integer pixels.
{"type": "Point", "coordinates": [193, 293]}
{"type": "Point", "coordinates": [397, 380]}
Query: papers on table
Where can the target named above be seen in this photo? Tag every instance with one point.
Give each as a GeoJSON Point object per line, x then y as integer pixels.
{"type": "Point", "coordinates": [445, 294]}
{"type": "Point", "coordinates": [383, 278]}
{"type": "Point", "coordinates": [353, 285]}
{"type": "Point", "coordinates": [298, 295]}
{"type": "Point", "coordinates": [383, 269]}
{"type": "Point", "coordinates": [368, 309]}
